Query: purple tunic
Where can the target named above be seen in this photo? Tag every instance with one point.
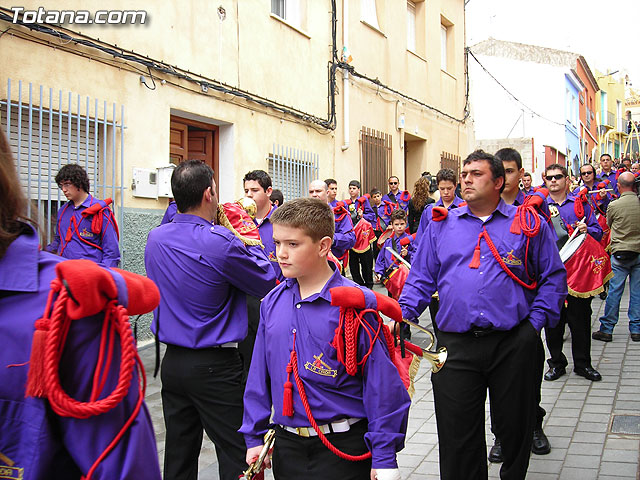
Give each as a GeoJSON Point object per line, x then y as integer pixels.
{"type": "Point", "coordinates": [569, 217]}
{"type": "Point", "coordinates": [109, 252]}
{"type": "Point", "coordinates": [170, 212]}
{"type": "Point", "coordinates": [489, 298]}
{"type": "Point", "coordinates": [265, 229]}
{"type": "Point", "coordinates": [427, 213]}
{"type": "Point", "coordinates": [611, 176]}
{"type": "Point", "coordinates": [403, 204]}
{"type": "Point", "coordinates": [344, 237]}
{"type": "Point", "coordinates": [203, 272]}
{"type": "Point", "coordinates": [597, 204]}
{"type": "Point", "coordinates": [376, 394]}
{"type": "Point", "coordinates": [386, 259]}
{"type": "Point", "coordinates": [44, 444]}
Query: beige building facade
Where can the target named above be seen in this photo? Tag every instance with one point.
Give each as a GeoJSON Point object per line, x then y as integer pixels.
{"type": "Point", "coordinates": [242, 85]}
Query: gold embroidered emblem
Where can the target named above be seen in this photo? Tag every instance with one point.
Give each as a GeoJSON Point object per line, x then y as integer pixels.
{"type": "Point", "coordinates": [320, 367]}
{"type": "Point", "coordinates": [10, 472]}
{"type": "Point", "coordinates": [554, 210]}
{"type": "Point", "coordinates": [511, 259]}
{"type": "Point", "coordinates": [85, 234]}
{"type": "Point", "coordinates": [598, 263]}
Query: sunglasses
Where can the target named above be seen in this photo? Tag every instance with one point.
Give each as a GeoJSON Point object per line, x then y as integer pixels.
{"type": "Point", "coordinates": [393, 183]}
{"type": "Point", "coordinates": [586, 173]}
{"type": "Point", "coordinates": [559, 176]}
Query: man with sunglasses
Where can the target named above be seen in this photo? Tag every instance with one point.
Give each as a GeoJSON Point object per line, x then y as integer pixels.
{"type": "Point", "coordinates": [577, 312]}
{"type": "Point", "coordinates": [400, 198]}
{"type": "Point", "coordinates": [598, 201]}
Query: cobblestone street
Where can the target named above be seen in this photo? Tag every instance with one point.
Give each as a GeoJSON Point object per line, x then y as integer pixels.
{"type": "Point", "coordinates": [578, 421]}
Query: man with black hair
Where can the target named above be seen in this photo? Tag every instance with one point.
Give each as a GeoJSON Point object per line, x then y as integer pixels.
{"type": "Point", "coordinates": [276, 197]}
{"type": "Point", "coordinates": [577, 312]}
{"type": "Point", "coordinates": [512, 195]}
{"type": "Point", "coordinates": [513, 285]}
{"type": "Point", "coordinates": [361, 255]}
{"type": "Point", "coordinates": [332, 191]}
{"type": "Point", "coordinates": [204, 274]}
{"type": "Point", "coordinates": [607, 172]}
{"type": "Point", "coordinates": [399, 197]}
{"type": "Point", "coordinates": [86, 227]}
{"type": "Point", "coordinates": [527, 187]}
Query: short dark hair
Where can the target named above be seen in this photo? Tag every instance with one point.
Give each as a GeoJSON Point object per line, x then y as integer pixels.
{"type": "Point", "coordinates": [259, 176]}
{"type": "Point", "coordinates": [497, 169]}
{"type": "Point", "coordinates": [276, 196]}
{"type": "Point", "coordinates": [398, 214]}
{"type": "Point", "coordinates": [354, 183]}
{"type": "Point", "coordinates": [605, 155]}
{"type": "Point", "coordinates": [375, 191]}
{"type": "Point", "coordinates": [526, 174]}
{"type": "Point", "coordinates": [446, 175]}
{"type": "Point", "coordinates": [509, 154]}
{"type": "Point", "coordinates": [329, 181]}
{"type": "Point", "coordinates": [189, 181]}
{"type": "Point", "coordinates": [75, 174]}
{"type": "Point", "coordinates": [556, 166]}
{"type": "Point", "coordinates": [314, 217]}
{"type": "Point", "coordinates": [393, 176]}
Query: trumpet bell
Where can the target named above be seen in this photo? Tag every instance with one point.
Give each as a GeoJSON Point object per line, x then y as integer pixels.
{"type": "Point", "coordinates": [436, 359]}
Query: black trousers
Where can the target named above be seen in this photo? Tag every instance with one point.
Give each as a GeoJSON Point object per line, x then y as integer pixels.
{"type": "Point", "coordinates": [500, 362]}
{"type": "Point", "coordinates": [245, 347]}
{"type": "Point", "coordinates": [202, 389]}
{"type": "Point", "coordinates": [297, 458]}
{"type": "Point", "coordinates": [365, 259]}
{"type": "Point", "coordinates": [577, 314]}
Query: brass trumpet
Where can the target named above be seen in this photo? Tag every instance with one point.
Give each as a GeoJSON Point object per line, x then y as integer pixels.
{"type": "Point", "coordinates": [437, 358]}
{"type": "Point", "coordinates": [256, 467]}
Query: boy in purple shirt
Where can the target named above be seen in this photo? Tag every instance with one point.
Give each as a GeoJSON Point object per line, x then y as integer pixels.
{"type": "Point", "coordinates": [385, 258]}
{"type": "Point", "coordinates": [78, 235]}
{"type": "Point", "coordinates": [369, 409]}
{"type": "Point", "coordinates": [36, 443]}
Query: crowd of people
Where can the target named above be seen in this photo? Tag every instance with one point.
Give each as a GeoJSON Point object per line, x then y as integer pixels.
{"type": "Point", "coordinates": [265, 330]}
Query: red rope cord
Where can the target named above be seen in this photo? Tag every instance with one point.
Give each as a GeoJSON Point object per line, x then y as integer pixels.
{"type": "Point", "coordinates": [496, 255]}
{"type": "Point", "coordinates": [116, 319]}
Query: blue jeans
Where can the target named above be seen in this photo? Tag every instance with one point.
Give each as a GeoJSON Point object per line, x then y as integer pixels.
{"type": "Point", "coordinates": [622, 270]}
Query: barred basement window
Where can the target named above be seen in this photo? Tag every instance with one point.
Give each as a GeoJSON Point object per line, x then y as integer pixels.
{"type": "Point", "coordinates": [291, 170]}
{"type": "Point", "coordinates": [375, 159]}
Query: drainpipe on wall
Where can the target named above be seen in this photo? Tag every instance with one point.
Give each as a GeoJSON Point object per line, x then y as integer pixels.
{"type": "Point", "coordinates": [345, 76]}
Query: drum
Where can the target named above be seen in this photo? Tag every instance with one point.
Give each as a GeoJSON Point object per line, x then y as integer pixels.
{"type": "Point", "coordinates": [394, 279]}
{"type": "Point", "coordinates": [588, 266]}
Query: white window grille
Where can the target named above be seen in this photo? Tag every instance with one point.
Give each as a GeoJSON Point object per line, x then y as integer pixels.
{"type": "Point", "coordinates": [291, 170]}
{"type": "Point", "coordinates": [443, 46]}
{"type": "Point", "coordinates": [411, 26]}
{"type": "Point", "coordinates": [368, 12]}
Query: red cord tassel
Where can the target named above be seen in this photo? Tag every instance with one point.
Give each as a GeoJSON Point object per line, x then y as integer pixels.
{"type": "Point", "coordinates": [475, 261]}
{"type": "Point", "coordinates": [287, 399]}
{"type": "Point", "coordinates": [515, 225]}
{"type": "Point", "coordinates": [35, 377]}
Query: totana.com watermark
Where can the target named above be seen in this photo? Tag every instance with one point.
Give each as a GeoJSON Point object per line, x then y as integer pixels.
{"type": "Point", "coordinates": [85, 17]}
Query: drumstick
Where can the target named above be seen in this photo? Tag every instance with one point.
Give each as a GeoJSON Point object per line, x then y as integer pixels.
{"type": "Point", "coordinates": [604, 189]}
{"type": "Point", "coordinates": [576, 231]}
{"type": "Point", "coordinates": [399, 257]}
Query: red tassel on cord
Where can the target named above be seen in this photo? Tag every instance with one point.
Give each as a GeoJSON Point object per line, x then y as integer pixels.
{"type": "Point", "coordinates": [35, 377]}
{"type": "Point", "coordinates": [287, 399]}
{"type": "Point", "coordinates": [475, 261]}
{"type": "Point", "coordinates": [515, 225]}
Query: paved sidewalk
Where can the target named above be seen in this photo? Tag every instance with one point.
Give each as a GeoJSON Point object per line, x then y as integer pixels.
{"type": "Point", "coordinates": [578, 421]}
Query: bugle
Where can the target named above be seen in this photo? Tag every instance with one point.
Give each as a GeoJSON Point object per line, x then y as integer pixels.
{"type": "Point", "coordinates": [256, 467]}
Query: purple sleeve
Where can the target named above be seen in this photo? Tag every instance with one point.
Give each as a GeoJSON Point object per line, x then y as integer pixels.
{"type": "Point", "coordinates": [344, 237]}
{"type": "Point", "coordinates": [248, 269]}
{"type": "Point", "coordinates": [551, 277]}
{"type": "Point", "coordinates": [257, 393]}
{"type": "Point", "coordinates": [171, 211]}
{"type": "Point", "coordinates": [386, 404]}
{"type": "Point", "coordinates": [368, 213]}
{"type": "Point", "coordinates": [135, 455]}
{"type": "Point", "coordinates": [593, 227]}
{"type": "Point", "coordinates": [421, 282]}
{"type": "Point", "coordinates": [110, 244]}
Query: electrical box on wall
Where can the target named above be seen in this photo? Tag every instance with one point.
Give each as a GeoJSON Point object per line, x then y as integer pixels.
{"type": "Point", "coordinates": [145, 183]}
{"type": "Point", "coordinates": [164, 181]}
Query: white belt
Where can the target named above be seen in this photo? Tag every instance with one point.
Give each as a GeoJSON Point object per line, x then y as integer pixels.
{"type": "Point", "coordinates": [227, 345]}
{"type": "Point", "coordinates": [339, 426]}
